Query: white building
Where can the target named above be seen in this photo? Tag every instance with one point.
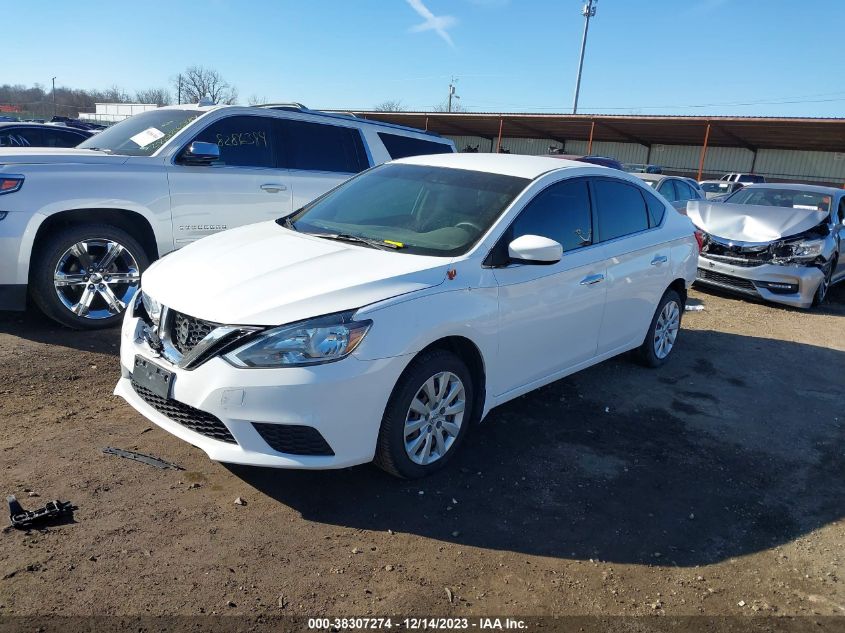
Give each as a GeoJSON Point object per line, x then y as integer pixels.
{"type": "Point", "coordinates": [114, 112]}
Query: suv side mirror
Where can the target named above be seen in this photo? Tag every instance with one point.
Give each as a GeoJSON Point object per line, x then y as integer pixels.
{"type": "Point", "coordinates": [535, 249]}
{"type": "Point", "coordinates": [200, 153]}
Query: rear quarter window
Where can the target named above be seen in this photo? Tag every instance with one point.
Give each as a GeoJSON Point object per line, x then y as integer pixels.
{"type": "Point", "coordinates": [399, 146]}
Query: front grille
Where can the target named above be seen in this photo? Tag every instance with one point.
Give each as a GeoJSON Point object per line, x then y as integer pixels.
{"type": "Point", "coordinates": [726, 280]}
{"type": "Point", "coordinates": [740, 262]}
{"type": "Point", "coordinates": [186, 331]}
{"type": "Point", "coordinates": [293, 439]}
{"type": "Point", "coordinates": [189, 417]}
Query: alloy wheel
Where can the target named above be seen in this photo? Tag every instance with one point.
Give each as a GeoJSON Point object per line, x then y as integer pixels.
{"type": "Point", "coordinates": [96, 278]}
{"type": "Point", "coordinates": [434, 418]}
{"type": "Point", "coordinates": [666, 329]}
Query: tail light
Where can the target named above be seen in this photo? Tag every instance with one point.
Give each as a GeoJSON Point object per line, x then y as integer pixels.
{"type": "Point", "coordinates": [699, 237]}
{"type": "Point", "coordinates": [10, 184]}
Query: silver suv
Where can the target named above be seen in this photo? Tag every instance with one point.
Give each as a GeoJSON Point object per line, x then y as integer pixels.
{"type": "Point", "coordinates": [78, 226]}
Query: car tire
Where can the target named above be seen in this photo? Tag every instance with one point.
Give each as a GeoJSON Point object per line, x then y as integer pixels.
{"type": "Point", "coordinates": [442, 372]}
{"type": "Point", "coordinates": [664, 329]}
{"type": "Point", "coordinates": [824, 286]}
{"type": "Point", "coordinates": [87, 298]}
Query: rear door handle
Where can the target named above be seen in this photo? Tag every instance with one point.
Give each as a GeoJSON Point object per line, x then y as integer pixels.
{"type": "Point", "coordinates": [592, 279]}
{"type": "Point", "coordinates": [273, 188]}
{"type": "Point", "coordinates": [659, 259]}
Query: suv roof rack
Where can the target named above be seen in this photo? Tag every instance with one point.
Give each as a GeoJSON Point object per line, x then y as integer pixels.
{"type": "Point", "coordinates": [294, 106]}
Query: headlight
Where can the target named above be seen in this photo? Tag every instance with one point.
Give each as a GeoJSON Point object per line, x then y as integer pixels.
{"type": "Point", "coordinates": [152, 307]}
{"type": "Point", "coordinates": [312, 342]}
{"type": "Point", "coordinates": [809, 249]}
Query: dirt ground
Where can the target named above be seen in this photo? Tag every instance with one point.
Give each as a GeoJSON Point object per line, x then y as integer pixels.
{"type": "Point", "coordinates": [714, 485]}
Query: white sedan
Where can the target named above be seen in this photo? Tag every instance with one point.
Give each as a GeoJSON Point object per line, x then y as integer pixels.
{"type": "Point", "coordinates": [383, 320]}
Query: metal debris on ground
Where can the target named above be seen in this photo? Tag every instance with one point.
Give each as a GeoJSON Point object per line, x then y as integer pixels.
{"type": "Point", "coordinates": [25, 519]}
{"type": "Point", "coordinates": [693, 305]}
{"type": "Point", "coordinates": [141, 457]}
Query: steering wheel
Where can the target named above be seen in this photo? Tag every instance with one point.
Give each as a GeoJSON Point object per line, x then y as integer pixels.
{"type": "Point", "coordinates": [473, 227]}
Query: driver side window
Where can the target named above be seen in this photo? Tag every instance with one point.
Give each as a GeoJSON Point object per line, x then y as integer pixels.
{"type": "Point", "coordinates": [561, 212]}
{"type": "Point", "coordinates": [842, 211]}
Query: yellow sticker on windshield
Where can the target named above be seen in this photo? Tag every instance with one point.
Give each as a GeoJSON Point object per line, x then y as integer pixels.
{"type": "Point", "coordinates": [396, 244]}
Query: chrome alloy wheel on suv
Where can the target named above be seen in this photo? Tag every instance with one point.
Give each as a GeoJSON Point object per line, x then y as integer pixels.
{"type": "Point", "coordinates": [96, 278]}
{"type": "Point", "coordinates": [86, 275]}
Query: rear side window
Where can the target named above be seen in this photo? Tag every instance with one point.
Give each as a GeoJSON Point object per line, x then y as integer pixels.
{"type": "Point", "coordinates": [244, 141]}
{"type": "Point", "coordinates": [561, 212]}
{"type": "Point", "coordinates": [684, 190]}
{"type": "Point", "coordinates": [401, 146]}
{"type": "Point", "coordinates": [320, 147]}
{"type": "Point", "coordinates": [656, 209]}
{"type": "Point", "coordinates": [620, 207]}
{"type": "Point", "coordinates": [13, 138]}
{"type": "Point", "coordinates": [62, 138]}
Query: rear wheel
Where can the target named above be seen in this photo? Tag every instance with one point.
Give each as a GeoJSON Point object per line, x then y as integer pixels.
{"type": "Point", "coordinates": [427, 416]}
{"type": "Point", "coordinates": [85, 275]}
{"type": "Point", "coordinates": [663, 331]}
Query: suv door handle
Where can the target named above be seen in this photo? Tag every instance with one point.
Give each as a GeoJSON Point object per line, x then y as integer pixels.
{"type": "Point", "coordinates": [592, 279]}
{"type": "Point", "coordinates": [273, 188]}
{"type": "Point", "coordinates": [659, 259]}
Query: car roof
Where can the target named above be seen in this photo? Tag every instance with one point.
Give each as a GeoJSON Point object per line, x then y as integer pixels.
{"type": "Point", "coordinates": [300, 109]}
{"type": "Point", "coordinates": [800, 186]}
{"type": "Point", "coordinates": [518, 165]}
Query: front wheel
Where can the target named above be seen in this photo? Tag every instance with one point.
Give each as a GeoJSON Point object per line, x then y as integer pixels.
{"type": "Point", "coordinates": [663, 331]}
{"type": "Point", "coordinates": [84, 276]}
{"type": "Point", "coordinates": [824, 286]}
{"type": "Point", "coordinates": [427, 416]}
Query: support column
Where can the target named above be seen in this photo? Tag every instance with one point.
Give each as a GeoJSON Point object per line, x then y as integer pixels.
{"type": "Point", "coordinates": [590, 142]}
{"type": "Point", "coordinates": [703, 152]}
{"type": "Point", "coordinates": [426, 124]}
{"type": "Point", "coordinates": [499, 141]}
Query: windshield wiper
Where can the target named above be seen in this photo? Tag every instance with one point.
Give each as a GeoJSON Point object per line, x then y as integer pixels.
{"type": "Point", "coordinates": [98, 149]}
{"type": "Point", "coordinates": [357, 239]}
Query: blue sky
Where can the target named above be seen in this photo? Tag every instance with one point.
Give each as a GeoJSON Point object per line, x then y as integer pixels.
{"type": "Point", "coordinates": [747, 57]}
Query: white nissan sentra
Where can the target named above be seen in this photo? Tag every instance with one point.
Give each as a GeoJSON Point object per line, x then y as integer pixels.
{"type": "Point", "coordinates": [383, 320]}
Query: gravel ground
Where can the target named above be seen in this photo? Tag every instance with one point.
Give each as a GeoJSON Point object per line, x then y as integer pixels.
{"type": "Point", "coordinates": [714, 485]}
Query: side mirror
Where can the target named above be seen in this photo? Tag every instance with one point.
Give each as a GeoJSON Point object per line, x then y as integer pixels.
{"type": "Point", "coordinates": [199, 153]}
{"type": "Point", "coordinates": [535, 249]}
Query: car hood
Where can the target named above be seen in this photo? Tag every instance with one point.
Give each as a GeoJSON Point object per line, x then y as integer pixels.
{"type": "Point", "coordinates": [49, 156]}
{"type": "Point", "coordinates": [752, 223]}
{"type": "Point", "coordinates": [264, 274]}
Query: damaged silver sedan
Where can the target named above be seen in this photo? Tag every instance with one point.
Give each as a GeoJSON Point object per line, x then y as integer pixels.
{"type": "Point", "coordinates": [779, 242]}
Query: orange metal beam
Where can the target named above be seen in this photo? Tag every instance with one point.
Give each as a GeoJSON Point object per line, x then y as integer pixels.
{"type": "Point", "coordinates": [499, 142]}
{"type": "Point", "coordinates": [590, 142]}
{"type": "Point", "coordinates": [703, 152]}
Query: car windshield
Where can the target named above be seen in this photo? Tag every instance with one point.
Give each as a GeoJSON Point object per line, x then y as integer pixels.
{"type": "Point", "coordinates": [651, 183]}
{"type": "Point", "coordinates": [142, 134]}
{"type": "Point", "coordinates": [793, 198]}
{"type": "Point", "coordinates": [412, 208]}
{"type": "Point", "coordinates": [716, 187]}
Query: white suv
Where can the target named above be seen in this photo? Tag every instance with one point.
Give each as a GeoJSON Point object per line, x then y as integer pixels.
{"type": "Point", "coordinates": [78, 226]}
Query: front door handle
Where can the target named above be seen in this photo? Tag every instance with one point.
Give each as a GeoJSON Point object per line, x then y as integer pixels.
{"type": "Point", "coordinates": [659, 259]}
{"type": "Point", "coordinates": [592, 279]}
{"type": "Point", "coordinates": [273, 188]}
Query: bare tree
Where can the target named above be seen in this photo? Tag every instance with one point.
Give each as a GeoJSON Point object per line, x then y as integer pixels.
{"type": "Point", "coordinates": [391, 105]}
{"type": "Point", "coordinates": [255, 100]}
{"type": "Point", "coordinates": [158, 96]}
{"type": "Point", "coordinates": [444, 107]}
{"type": "Point", "coordinates": [198, 82]}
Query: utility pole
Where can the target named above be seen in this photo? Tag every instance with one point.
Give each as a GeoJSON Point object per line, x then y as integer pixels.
{"type": "Point", "coordinates": [588, 11]}
{"type": "Point", "coordinates": [179, 90]}
{"type": "Point", "coordinates": [452, 93]}
{"type": "Point", "coordinates": [54, 96]}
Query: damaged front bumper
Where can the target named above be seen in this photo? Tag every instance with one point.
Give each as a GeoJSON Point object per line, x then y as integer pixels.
{"type": "Point", "coordinates": [790, 284]}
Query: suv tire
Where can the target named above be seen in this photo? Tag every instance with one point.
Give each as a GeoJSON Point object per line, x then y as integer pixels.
{"type": "Point", "coordinates": [84, 275]}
